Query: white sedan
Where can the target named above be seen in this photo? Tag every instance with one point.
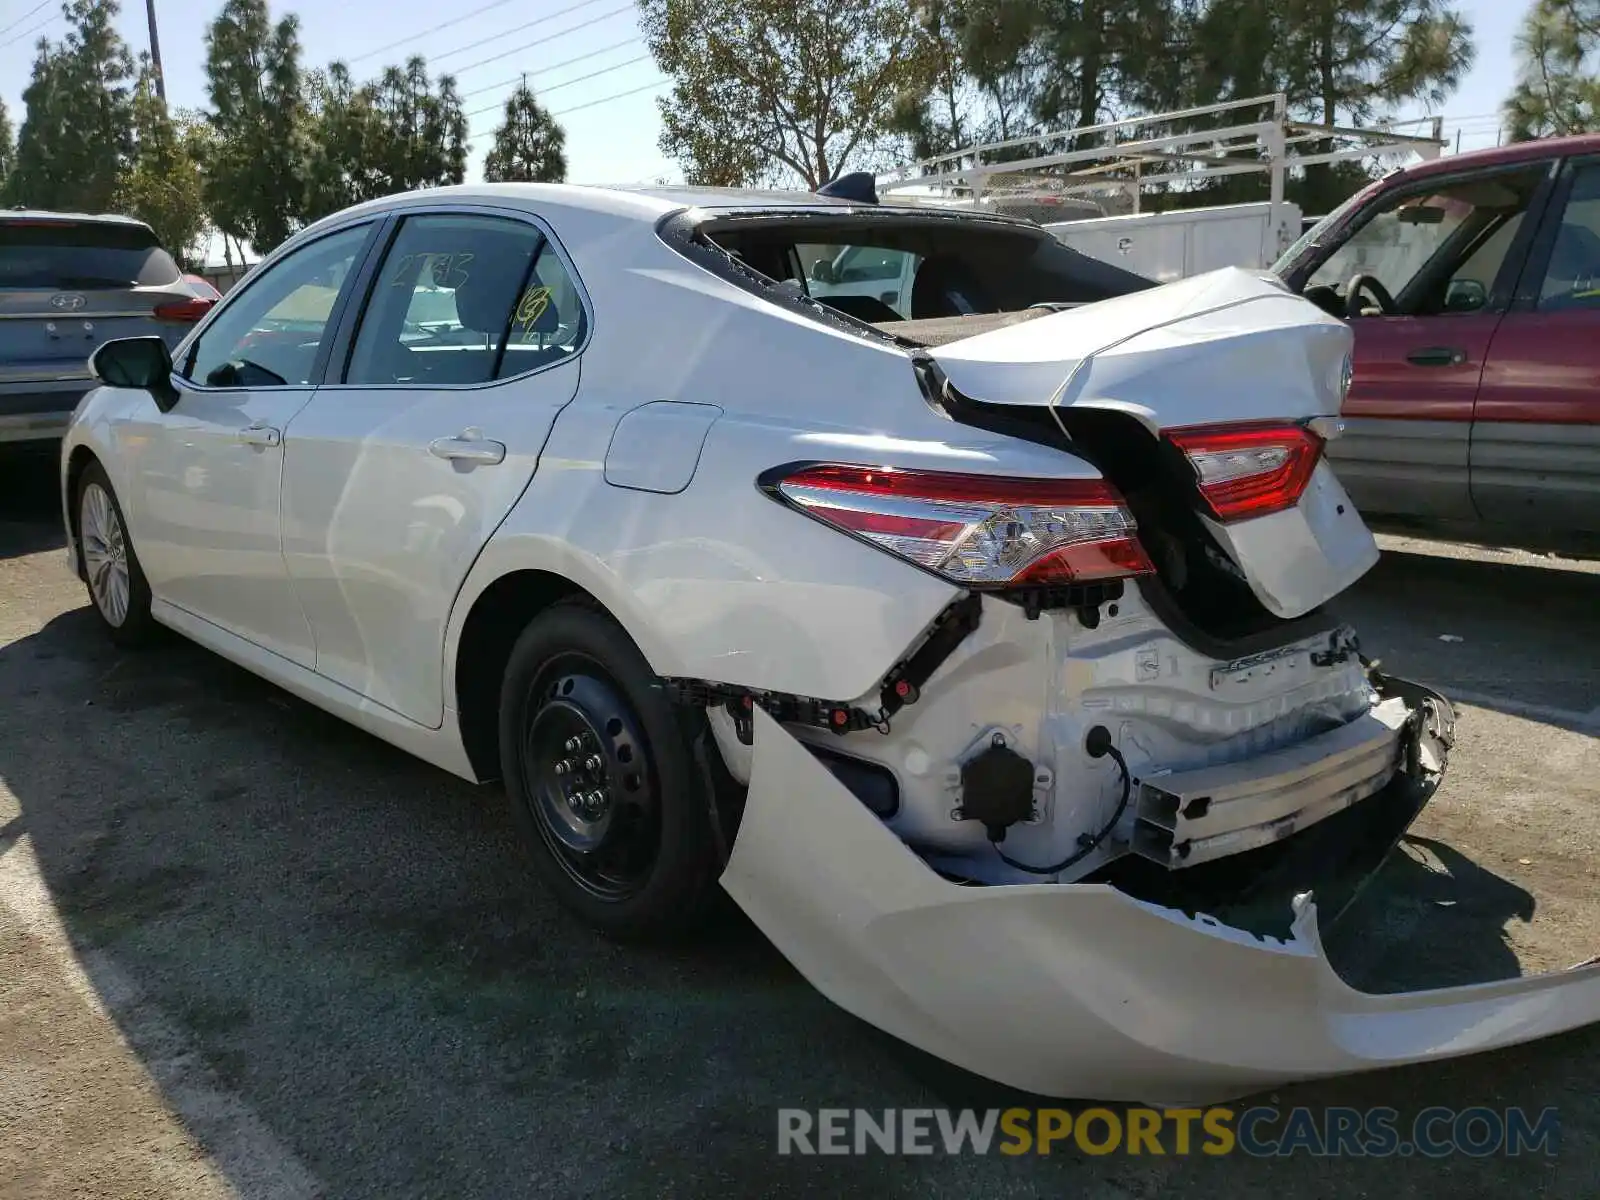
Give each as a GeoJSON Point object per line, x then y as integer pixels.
{"type": "Point", "coordinates": [976, 647]}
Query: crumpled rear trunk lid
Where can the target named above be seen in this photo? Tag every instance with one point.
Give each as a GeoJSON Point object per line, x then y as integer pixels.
{"type": "Point", "coordinates": [1229, 347]}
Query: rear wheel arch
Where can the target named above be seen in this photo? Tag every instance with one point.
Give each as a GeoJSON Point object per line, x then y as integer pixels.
{"type": "Point", "coordinates": [491, 628]}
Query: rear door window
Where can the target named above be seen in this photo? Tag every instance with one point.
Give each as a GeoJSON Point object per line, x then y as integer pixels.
{"type": "Point", "coordinates": [1572, 276]}
{"type": "Point", "coordinates": [465, 299]}
{"type": "Point", "coordinates": [68, 256]}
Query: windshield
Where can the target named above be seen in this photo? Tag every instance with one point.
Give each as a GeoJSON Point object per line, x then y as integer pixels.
{"type": "Point", "coordinates": [67, 255]}
{"type": "Point", "coordinates": [1315, 234]}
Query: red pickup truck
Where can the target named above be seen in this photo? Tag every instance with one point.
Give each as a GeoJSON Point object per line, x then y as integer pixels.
{"type": "Point", "coordinates": [1473, 286]}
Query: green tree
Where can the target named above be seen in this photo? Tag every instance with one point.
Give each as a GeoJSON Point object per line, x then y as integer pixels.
{"type": "Point", "coordinates": [6, 146]}
{"type": "Point", "coordinates": [343, 138]}
{"type": "Point", "coordinates": [77, 126]}
{"type": "Point", "coordinates": [529, 147]}
{"type": "Point", "coordinates": [942, 118]}
{"type": "Point", "coordinates": [765, 88]}
{"type": "Point", "coordinates": [1558, 71]}
{"type": "Point", "coordinates": [422, 133]}
{"type": "Point", "coordinates": [1339, 62]}
{"type": "Point", "coordinates": [1344, 62]}
{"type": "Point", "coordinates": [163, 188]}
{"type": "Point", "coordinates": [255, 166]}
{"type": "Point", "coordinates": [1079, 62]}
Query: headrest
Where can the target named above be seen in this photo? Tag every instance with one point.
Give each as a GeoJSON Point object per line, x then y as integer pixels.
{"type": "Point", "coordinates": [488, 296]}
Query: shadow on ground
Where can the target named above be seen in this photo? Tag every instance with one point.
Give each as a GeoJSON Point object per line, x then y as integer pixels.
{"type": "Point", "coordinates": [30, 514]}
{"type": "Point", "coordinates": [1522, 639]}
{"type": "Point", "coordinates": [353, 944]}
{"type": "Point", "coordinates": [350, 940]}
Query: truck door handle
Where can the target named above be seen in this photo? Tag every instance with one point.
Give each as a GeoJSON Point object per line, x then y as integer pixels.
{"type": "Point", "coordinates": [1437, 356]}
{"type": "Point", "coordinates": [468, 446]}
{"type": "Point", "coordinates": [260, 434]}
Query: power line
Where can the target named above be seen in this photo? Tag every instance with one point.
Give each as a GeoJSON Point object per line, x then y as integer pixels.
{"type": "Point", "coordinates": [549, 37]}
{"type": "Point", "coordinates": [453, 21]}
{"type": "Point", "coordinates": [556, 87]}
{"type": "Point", "coordinates": [26, 15]}
{"type": "Point", "coordinates": [566, 62]}
{"type": "Point", "coordinates": [543, 20]}
{"type": "Point", "coordinates": [435, 29]}
{"type": "Point", "coordinates": [592, 103]}
{"type": "Point", "coordinates": [27, 33]}
{"type": "Point", "coordinates": [608, 99]}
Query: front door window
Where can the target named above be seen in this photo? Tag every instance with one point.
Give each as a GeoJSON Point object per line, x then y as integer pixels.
{"type": "Point", "coordinates": [1429, 252]}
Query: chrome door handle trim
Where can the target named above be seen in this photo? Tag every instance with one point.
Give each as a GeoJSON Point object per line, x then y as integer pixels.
{"type": "Point", "coordinates": [468, 446]}
{"type": "Point", "coordinates": [260, 435]}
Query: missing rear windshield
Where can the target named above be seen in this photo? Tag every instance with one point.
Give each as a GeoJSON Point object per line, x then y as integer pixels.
{"type": "Point", "coordinates": [920, 279]}
{"type": "Point", "coordinates": [61, 255]}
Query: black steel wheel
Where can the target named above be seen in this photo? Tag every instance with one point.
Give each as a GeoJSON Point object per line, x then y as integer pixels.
{"type": "Point", "coordinates": [587, 774]}
{"type": "Point", "coordinates": [602, 780]}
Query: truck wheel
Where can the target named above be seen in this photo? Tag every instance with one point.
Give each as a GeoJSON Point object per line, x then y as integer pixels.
{"type": "Point", "coordinates": [601, 777]}
{"type": "Point", "coordinates": [118, 592]}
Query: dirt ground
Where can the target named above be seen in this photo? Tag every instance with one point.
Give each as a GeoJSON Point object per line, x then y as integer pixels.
{"type": "Point", "coordinates": [248, 951]}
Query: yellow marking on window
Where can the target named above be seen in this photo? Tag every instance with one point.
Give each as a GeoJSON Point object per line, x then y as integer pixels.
{"type": "Point", "coordinates": [531, 307]}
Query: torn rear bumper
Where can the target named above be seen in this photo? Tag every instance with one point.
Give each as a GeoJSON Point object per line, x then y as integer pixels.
{"type": "Point", "coordinates": [1080, 989]}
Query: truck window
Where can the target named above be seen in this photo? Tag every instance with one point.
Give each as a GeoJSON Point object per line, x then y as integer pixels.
{"type": "Point", "coordinates": [1434, 252]}
{"type": "Point", "coordinates": [1572, 278]}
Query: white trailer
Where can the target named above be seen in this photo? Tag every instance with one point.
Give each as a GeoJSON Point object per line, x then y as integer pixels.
{"type": "Point", "coordinates": [1172, 245]}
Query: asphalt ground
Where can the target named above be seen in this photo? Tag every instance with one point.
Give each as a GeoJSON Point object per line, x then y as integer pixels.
{"type": "Point", "coordinates": [246, 950]}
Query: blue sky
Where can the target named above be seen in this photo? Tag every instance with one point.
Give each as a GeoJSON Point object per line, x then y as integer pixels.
{"type": "Point", "coordinates": [581, 54]}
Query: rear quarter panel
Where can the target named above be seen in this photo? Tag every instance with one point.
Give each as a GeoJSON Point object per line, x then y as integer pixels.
{"type": "Point", "coordinates": [717, 581]}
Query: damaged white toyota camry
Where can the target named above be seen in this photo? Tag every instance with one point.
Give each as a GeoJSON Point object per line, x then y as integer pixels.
{"type": "Point", "coordinates": [952, 600]}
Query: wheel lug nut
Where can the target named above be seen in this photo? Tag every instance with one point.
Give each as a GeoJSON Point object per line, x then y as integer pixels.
{"type": "Point", "coordinates": [563, 767]}
{"type": "Point", "coordinates": [574, 745]}
{"type": "Point", "coordinates": [594, 762]}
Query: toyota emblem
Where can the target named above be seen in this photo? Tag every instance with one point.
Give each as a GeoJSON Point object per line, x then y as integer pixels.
{"type": "Point", "coordinates": [68, 301]}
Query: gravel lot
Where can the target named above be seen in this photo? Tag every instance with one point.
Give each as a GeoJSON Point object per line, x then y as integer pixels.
{"type": "Point", "coordinates": [245, 950]}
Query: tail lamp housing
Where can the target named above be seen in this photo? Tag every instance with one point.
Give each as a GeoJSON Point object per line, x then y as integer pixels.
{"type": "Point", "coordinates": [977, 531]}
{"type": "Point", "coordinates": [1250, 469]}
{"type": "Point", "coordinates": [187, 311]}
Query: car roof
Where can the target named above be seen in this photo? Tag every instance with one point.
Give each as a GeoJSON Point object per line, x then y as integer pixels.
{"type": "Point", "coordinates": [34, 215]}
{"type": "Point", "coordinates": [743, 199]}
{"type": "Point", "coordinates": [651, 202]}
{"type": "Point", "coordinates": [1498, 156]}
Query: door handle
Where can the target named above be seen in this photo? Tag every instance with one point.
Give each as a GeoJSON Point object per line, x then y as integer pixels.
{"type": "Point", "coordinates": [468, 446]}
{"type": "Point", "coordinates": [260, 434]}
{"type": "Point", "coordinates": [1437, 356]}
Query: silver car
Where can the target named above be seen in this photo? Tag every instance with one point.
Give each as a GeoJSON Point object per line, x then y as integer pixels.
{"type": "Point", "coordinates": [70, 282]}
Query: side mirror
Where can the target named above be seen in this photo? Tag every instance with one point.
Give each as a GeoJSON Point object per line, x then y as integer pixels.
{"type": "Point", "coordinates": [822, 271]}
{"type": "Point", "coordinates": [1465, 295]}
{"type": "Point", "coordinates": [140, 362]}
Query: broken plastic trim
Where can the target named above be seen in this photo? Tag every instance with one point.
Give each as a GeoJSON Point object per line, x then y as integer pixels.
{"type": "Point", "coordinates": [1106, 995]}
{"type": "Point", "coordinates": [900, 687]}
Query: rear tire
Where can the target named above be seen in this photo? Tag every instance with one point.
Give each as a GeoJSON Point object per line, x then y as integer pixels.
{"type": "Point", "coordinates": [601, 777]}
{"type": "Point", "coordinates": [118, 592]}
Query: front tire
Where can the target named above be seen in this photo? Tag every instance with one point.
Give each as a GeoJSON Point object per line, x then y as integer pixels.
{"type": "Point", "coordinates": [602, 779]}
{"type": "Point", "coordinates": [118, 592]}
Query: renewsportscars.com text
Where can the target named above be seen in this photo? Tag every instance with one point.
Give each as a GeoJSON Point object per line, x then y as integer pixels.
{"type": "Point", "coordinates": [1260, 1132]}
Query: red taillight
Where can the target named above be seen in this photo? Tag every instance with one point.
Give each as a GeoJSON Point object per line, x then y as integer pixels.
{"type": "Point", "coordinates": [184, 310]}
{"type": "Point", "coordinates": [976, 530]}
{"type": "Point", "coordinates": [1250, 470]}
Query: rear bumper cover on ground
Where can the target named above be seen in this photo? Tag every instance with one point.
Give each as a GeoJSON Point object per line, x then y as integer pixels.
{"type": "Point", "coordinates": [1082, 990]}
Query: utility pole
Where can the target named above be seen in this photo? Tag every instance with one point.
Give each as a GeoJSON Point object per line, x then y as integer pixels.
{"type": "Point", "coordinates": [155, 51]}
